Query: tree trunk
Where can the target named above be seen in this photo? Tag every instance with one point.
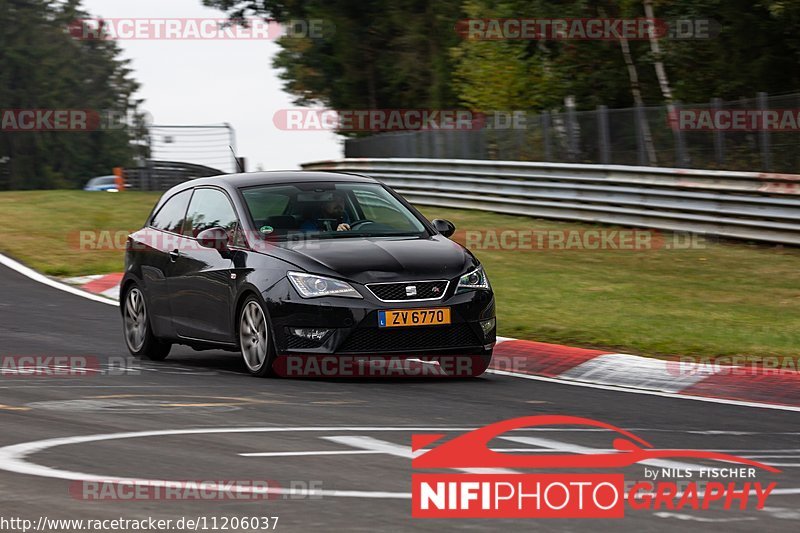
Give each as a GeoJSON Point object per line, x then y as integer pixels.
{"type": "Point", "coordinates": [655, 47]}
{"type": "Point", "coordinates": [637, 98]}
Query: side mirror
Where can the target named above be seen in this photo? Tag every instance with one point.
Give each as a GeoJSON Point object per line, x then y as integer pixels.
{"type": "Point", "coordinates": [445, 227]}
{"type": "Point", "coordinates": [216, 238]}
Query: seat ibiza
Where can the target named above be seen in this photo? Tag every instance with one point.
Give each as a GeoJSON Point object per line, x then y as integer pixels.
{"type": "Point", "coordinates": [276, 264]}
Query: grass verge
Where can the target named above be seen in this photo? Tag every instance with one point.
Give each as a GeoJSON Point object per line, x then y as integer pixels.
{"type": "Point", "coordinates": [42, 228]}
{"type": "Point", "coordinates": [714, 299]}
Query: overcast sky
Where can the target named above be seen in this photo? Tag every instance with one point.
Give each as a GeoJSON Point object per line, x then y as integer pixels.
{"type": "Point", "coordinates": [212, 82]}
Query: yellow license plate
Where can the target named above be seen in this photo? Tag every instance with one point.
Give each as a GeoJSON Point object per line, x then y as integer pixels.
{"type": "Point", "coordinates": [413, 317]}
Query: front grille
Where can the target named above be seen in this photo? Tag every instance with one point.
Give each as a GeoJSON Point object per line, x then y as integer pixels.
{"type": "Point", "coordinates": [396, 292]}
{"type": "Point", "coordinates": [364, 340]}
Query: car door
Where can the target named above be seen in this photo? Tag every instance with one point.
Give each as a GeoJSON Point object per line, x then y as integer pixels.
{"type": "Point", "coordinates": [155, 243]}
{"type": "Point", "coordinates": [200, 279]}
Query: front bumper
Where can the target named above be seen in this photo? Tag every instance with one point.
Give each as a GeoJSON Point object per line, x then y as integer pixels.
{"type": "Point", "coordinates": [353, 324]}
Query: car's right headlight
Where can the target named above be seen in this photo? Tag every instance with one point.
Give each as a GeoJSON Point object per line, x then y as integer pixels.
{"type": "Point", "coordinates": [473, 280]}
{"type": "Point", "coordinates": [313, 286]}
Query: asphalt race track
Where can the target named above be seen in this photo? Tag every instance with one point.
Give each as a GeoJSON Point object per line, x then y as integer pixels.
{"type": "Point", "coordinates": [364, 488]}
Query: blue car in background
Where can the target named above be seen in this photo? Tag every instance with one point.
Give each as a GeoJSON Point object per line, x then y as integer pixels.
{"type": "Point", "coordinates": [102, 183]}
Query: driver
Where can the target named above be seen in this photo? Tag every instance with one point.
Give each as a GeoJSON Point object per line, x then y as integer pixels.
{"type": "Point", "coordinates": [333, 209]}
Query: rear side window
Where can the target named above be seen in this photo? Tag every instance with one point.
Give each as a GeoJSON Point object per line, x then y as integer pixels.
{"type": "Point", "coordinates": [170, 216]}
{"type": "Point", "coordinates": [210, 208]}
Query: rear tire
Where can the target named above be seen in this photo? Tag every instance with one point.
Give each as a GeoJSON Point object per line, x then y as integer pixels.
{"type": "Point", "coordinates": [136, 326]}
{"type": "Point", "coordinates": [255, 339]}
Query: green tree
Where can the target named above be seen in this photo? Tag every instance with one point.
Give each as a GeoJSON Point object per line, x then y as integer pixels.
{"type": "Point", "coordinates": [372, 54]}
{"type": "Point", "coordinates": [406, 53]}
{"type": "Point", "coordinates": [42, 66]}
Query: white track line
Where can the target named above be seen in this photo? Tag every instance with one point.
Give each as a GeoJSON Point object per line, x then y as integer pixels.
{"type": "Point", "coordinates": [304, 454]}
{"type": "Point", "coordinates": [35, 276]}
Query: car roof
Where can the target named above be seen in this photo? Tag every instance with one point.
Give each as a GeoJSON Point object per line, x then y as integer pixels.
{"type": "Point", "coordinates": [252, 179]}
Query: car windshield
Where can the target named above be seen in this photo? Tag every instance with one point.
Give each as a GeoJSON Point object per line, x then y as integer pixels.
{"type": "Point", "coordinates": [329, 210]}
{"type": "Point", "coordinates": [103, 180]}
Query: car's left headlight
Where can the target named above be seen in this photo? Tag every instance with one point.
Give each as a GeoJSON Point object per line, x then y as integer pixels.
{"type": "Point", "coordinates": [312, 286]}
{"type": "Point", "coordinates": [473, 280]}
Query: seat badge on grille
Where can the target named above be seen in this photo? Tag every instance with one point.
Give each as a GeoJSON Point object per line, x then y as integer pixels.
{"type": "Point", "coordinates": [411, 290]}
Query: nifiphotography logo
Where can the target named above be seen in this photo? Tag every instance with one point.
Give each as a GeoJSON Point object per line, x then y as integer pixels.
{"type": "Point", "coordinates": [501, 492]}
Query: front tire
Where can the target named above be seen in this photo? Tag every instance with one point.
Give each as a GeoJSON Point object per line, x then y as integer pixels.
{"type": "Point", "coordinates": [255, 340]}
{"type": "Point", "coordinates": [138, 334]}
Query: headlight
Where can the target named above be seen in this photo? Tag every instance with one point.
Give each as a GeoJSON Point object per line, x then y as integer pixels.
{"type": "Point", "coordinates": [311, 286]}
{"type": "Point", "coordinates": [473, 280]}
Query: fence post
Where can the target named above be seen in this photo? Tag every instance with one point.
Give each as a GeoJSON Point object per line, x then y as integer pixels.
{"type": "Point", "coordinates": [719, 137]}
{"type": "Point", "coordinates": [450, 144]}
{"type": "Point", "coordinates": [640, 137]}
{"type": "Point", "coordinates": [519, 139]}
{"type": "Point", "coordinates": [548, 149]}
{"type": "Point", "coordinates": [572, 129]}
{"type": "Point", "coordinates": [604, 135]}
{"type": "Point", "coordinates": [147, 174]}
{"type": "Point", "coordinates": [464, 139]}
{"type": "Point", "coordinates": [437, 144]}
{"type": "Point", "coordinates": [414, 136]}
{"type": "Point", "coordinates": [681, 155]}
{"type": "Point", "coordinates": [5, 173]}
{"type": "Point", "coordinates": [763, 135]}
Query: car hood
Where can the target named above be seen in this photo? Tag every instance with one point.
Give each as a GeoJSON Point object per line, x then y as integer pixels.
{"type": "Point", "coordinates": [377, 259]}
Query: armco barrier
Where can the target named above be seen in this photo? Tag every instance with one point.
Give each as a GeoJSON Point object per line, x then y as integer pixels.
{"type": "Point", "coordinates": [745, 205]}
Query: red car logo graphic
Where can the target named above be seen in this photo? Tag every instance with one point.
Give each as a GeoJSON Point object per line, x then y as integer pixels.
{"type": "Point", "coordinates": [471, 450]}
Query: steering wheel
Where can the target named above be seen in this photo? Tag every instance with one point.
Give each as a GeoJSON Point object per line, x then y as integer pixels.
{"type": "Point", "coordinates": [360, 223]}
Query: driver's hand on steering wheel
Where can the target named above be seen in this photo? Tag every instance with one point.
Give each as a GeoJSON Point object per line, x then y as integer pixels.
{"type": "Point", "coordinates": [343, 227]}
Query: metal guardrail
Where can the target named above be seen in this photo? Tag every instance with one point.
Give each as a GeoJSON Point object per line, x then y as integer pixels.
{"type": "Point", "coordinates": [744, 205]}
{"type": "Point", "coordinates": [163, 175]}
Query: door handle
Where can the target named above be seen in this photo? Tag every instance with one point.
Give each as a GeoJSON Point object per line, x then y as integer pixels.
{"type": "Point", "coordinates": [174, 255]}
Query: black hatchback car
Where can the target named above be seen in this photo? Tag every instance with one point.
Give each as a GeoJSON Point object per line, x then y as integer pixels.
{"type": "Point", "coordinates": [276, 264]}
